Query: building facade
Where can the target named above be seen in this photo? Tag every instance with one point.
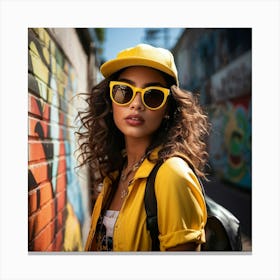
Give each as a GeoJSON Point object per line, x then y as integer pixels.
{"type": "Point", "coordinates": [216, 63]}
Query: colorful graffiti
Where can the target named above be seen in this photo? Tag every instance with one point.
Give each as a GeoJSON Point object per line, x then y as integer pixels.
{"type": "Point", "coordinates": [230, 141]}
{"type": "Point", "coordinates": [55, 206]}
{"type": "Point", "coordinates": [217, 64]}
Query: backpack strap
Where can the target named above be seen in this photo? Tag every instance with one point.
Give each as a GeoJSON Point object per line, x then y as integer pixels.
{"type": "Point", "coordinates": [222, 227]}
{"type": "Point", "coordinates": [150, 202]}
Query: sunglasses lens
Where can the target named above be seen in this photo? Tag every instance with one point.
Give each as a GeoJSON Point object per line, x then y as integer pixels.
{"type": "Point", "coordinates": [153, 98]}
{"type": "Point", "coordinates": [122, 94]}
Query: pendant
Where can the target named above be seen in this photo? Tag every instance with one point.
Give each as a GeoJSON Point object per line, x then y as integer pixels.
{"type": "Point", "coordinates": [123, 177]}
{"type": "Point", "coordinates": [124, 193]}
{"type": "Point", "coordinates": [132, 169]}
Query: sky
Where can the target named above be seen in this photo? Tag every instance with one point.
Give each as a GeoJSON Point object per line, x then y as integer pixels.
{"type": "Point", "coordinates": [118, 39]}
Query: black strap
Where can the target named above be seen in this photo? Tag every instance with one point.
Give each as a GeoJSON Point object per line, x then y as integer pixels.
{"type": "Point", "coordinates": [151, 207]}
{"type": "Point", "coordinates": [228, 224]}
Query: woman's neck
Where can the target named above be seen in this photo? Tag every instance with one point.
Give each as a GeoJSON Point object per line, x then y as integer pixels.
{"type": "Point", "coordinates": [135, 150]}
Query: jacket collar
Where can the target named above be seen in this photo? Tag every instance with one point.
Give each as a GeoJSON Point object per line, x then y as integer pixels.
{"type": "Point", "coordinates": [143, 171]}
{"type": "Point", "coordinates": [146, 167]}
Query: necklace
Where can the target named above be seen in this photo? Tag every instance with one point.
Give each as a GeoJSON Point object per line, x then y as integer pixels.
{"type": "Point", "coordinates": [124, 193]}
{"type": "Point", "coordinates": [124, 177]}
{"type": "Point", "coordinates": [124, 190]}
{"type": "Point", "coordinates": [132, 169]}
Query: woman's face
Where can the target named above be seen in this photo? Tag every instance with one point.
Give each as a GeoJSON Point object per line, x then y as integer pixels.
{"type": "Point", "coordinates": [135, 120]}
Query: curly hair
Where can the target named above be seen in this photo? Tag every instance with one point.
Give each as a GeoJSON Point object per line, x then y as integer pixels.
{"type": "Point", "coordinates": [186, 130]}
{"type": "Point", "coordinates": [183, 132]}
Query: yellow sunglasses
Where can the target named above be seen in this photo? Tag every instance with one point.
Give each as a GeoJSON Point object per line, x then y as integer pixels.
{"type": "Point", "coordinates": [153, 97]}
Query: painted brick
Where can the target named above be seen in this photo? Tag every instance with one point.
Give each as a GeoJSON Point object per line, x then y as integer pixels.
{"type": "Point", "coordinates": [39, 172]}
{"type": "Point", "coordinates": [61, 182]}
{"type": "Point", "coordinates": [62, 148]}
{"type": "Point", "coordinates": [38, 107]}
{"type": "Point", "coordinates": [37, 87]}
{"type": "Point", "coordinates": [61, 200]}
{"type": "Point", "coordinates": [51, 79]}
{"type": "Point", "coordinates": [46, 193]}
{"type": "Point", "coordinates": [38, 197]}
{"type": "Point", "coordinates": [33, 85]}
{"type": "Point", "coordinates": [55, 131]}
{"type": "Point", "coordinates": [62, 165]}
{"type": "Point", "coordinates": [54, 116]}
{"type": "Point", "coordinates": [43, 35]}
{"type": "Point", "coordinates": [43, 89]}
{"type": "Point", "coordinates": [51, 247]}
{"type": "Point", "coordinates": [42, 241]}
{"type": "Point", "coordinates": [40, 150]}
{"type": "Point", "coordinates": [38, 68]}
{"type": "Point", "coordinates": [34, 106]}
{"type": "Point", "coordinates": [59, 240]}
{"type": "Point", "coordinates": [41, 219]}
{"type": "Point", "coordinates": [53, 97]}
{"type": "Point", "coordinates": [38, 128]}
{"type": "Point", "coordinates": [61, 218]}
{"type": "Point", "coordinates": [62, 119]}
{"type": "Point", "coordinates": [32, 202]}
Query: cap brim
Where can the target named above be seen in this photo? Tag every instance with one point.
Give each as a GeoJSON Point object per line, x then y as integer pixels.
{"type": "Point", "coordinates": [112, 66]}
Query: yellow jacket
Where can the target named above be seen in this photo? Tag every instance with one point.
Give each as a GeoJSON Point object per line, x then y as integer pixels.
{"type": "Point", "coordinates": [181, 209]}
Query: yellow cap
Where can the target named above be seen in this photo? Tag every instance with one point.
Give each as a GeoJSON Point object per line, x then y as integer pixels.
{"type": "Point", "coordinates": [142, 55]}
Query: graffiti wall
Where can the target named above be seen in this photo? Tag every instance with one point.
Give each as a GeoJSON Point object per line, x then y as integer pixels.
{"type": "Point", "coordinates": [217, 64]}
{"type": "Point", "coordinates": [230, 114]}
{"type": "Point", "coordinates": [56, 210]}
{"type": "Point", "coordinates": [230, 141]}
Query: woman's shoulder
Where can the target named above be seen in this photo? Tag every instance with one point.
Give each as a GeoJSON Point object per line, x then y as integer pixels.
{"type": "Point", "coordinates": [175, 167]}
{"type": "Point", "coordinates": [176, 172]}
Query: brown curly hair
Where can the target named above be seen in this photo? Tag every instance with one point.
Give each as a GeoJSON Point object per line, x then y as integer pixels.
{"type": "Point", "coordinates": [183, 132]}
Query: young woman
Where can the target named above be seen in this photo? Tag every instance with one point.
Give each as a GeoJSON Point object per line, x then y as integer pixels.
{"type": "Point", "coordinates": [137, 116]}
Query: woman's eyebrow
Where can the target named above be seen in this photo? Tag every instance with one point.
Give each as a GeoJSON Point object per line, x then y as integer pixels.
{"type": "Point", "coordinates": [157, 84]}
{"type": "Point", "coordinates": [146, 85]}
{"type": "Point", "coordinates": [126, 81]}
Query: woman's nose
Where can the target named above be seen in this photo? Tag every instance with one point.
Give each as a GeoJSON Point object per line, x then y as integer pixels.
{"type": "Point", "coordinates": [137, 102]}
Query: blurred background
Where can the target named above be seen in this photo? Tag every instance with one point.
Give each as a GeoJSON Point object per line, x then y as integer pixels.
{"type": "Point", "coordinates": [215, 63]}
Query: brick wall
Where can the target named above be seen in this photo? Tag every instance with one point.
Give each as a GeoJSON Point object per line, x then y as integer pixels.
{"type": "Point", "coordinates": [57, 201]}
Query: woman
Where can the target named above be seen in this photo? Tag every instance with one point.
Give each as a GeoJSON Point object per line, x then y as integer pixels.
{"type": "Point", "coordinates": [137, 116]}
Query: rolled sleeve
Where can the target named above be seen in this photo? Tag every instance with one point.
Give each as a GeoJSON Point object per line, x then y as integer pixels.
{"type": "Point", "coordinates": [181, 208]}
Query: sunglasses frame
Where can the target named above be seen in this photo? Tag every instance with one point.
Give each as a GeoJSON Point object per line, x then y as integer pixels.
{"type": "Point", "coordinates": [165, 91]}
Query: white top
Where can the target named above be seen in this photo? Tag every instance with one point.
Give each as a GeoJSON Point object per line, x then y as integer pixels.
{"type": "Point", "coordinates": [109, 221]}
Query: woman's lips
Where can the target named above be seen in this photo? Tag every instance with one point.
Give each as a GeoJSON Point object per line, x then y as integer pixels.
{"type": "Point", "coordinates": [134, 120]}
